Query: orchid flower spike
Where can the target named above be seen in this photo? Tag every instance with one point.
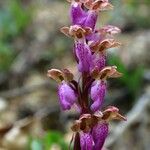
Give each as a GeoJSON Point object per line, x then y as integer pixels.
{"type": "Point", "coordinates": [89, 89]}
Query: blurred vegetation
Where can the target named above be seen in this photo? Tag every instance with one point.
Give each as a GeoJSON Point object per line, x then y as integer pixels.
{"type": "Point", "coordinates": [132, 77]}
{"type": "Point", "coordinates": [132, 13]}
{"type": "Point", "coordinates": [50, 139]}
{"type": "Point", "coordinates": [13, 21]}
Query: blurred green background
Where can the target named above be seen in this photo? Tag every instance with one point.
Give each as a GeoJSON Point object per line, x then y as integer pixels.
{"type": "Point", "coordinates": [31, 43]}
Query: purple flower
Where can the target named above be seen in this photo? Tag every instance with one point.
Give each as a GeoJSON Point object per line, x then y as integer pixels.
{"type": "Point", "coordinates": [81, 17]}
{"type": "Point", "coordinates": [67, 96]}
{"type": "Point", "coordinates": [94, 140]}
{"type": "Point", "coordinates": [99, 134]}
{"type": "Point", "coordinates": [99, 60]}
{"type": "Point", "coordinates": [98, 91]}
{"type": "Point", "coordinates": [91, 19]}
{"type": "Point", "coordinates": [78, 15]}
{"type": "Point", "coordinates": [84, 56]}
{"type": "Point", "coordinates": [86, 141]}
{"type": "Point", "coordinates": [94, 37]}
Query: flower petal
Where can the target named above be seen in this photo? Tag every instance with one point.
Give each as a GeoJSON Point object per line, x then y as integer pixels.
{"type": "Point", "coordinates": [91, 19]}
{"type": "Point", "coordinates": [67, 96]}
{"type": "Point", "coordinates": [99, 60]}
{"type": "Point", "coordinates": [77, 14]}
{"type": "Point", "coordinates": [99, 133]}
{"type": "Point", "coordinates": [84, 56]}
{"type": "Point", "coordinates": [86, 141]}
{"type": "Point", "coordinates": [98, 91]}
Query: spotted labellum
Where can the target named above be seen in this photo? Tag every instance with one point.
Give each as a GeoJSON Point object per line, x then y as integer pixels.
{"type": "Point", "coordinates": [87, 94]}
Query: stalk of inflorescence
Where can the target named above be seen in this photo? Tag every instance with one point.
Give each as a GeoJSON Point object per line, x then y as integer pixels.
{"type": "Point", "coordinates": [87, 94]}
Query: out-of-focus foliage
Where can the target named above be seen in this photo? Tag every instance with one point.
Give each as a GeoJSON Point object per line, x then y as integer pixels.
{"type": "Point", "coordinates": [131, 79]}
{"type": "Point", "coordinates": [13, 21]}
{"type": "Point", "coordinates": [51, 138]}
{"type": "Point", "coordinates": [132, 13]}
{"type": "Point", "coordinates": [6, 56]}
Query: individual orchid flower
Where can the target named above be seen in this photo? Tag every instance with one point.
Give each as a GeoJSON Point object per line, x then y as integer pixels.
{"type": "Point", "coordinates": [82, 50]}
{"type": "Point", "coordinates": [104, 33]}
{"type": "Point", "coordinates": [98, 88]}
{"type": "Point", "coordinates": [84, 56]}
{"type": "Point", "coordinates": [94, 7]}
{"type": "Point", "coordinates": [77, 14]}
{"type": "Point", "coordinates": [99, 49]}
{"type": "Point", "coordinates": [98, 91]}
{"type": "Point", "coordinates": [67, 95]}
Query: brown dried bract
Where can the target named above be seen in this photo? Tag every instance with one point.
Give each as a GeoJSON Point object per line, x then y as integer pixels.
{"type": "Point", "coordinates": [112, 113]}
{"type": "Point", "coordinates": [76, 31]}
{"type": "Point", "coordinates": [95, 73]}
{"type": "Point", "coordinates": [101, 46]}
{"type": "Point", "coordinates": [85, 123]}
{"type": "Point", "coordinates": [98, 5]}
{"type": "Point", "coordinates": [108, 43]}
{"type": "Point", "coordinates": [67, 75]}
{"type": "Point", "coordinates": [55, 74]}
{"type": "Point", "coordinates": [109, 72]}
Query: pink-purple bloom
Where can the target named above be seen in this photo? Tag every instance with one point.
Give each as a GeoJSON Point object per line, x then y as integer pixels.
{"type": "Point", "coordinates": [86, 141]}
{"type": "Point", "coordinates": [67, 96]}
{"type": "Point", "coordinates": [94, 140]}
{"type": "Point", "coordinates": [100, 133]}
{"type": "Point", "coordinates": [77, 14]}
{"type": "Point", "coordinates": [99, 60]}
{"type": "Point", "coordinates": [98, 91]}
{"type": "Point", "coordinates": [91, 19]}
{"type": "Point", "coordinates": [84, 56]}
